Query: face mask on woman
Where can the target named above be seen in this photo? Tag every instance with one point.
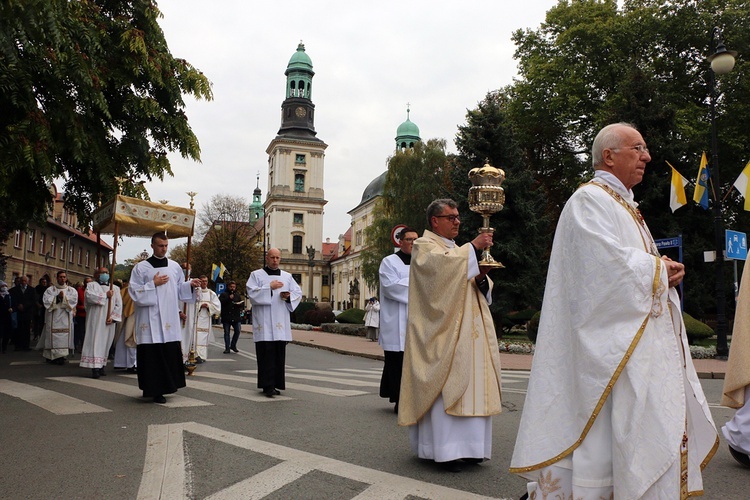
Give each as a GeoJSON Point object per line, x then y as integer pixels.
{"type": "Point", "coordinates": [104, 278]}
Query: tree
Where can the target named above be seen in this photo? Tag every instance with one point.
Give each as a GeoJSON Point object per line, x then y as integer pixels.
{"type": "Point", "coordinates": [226, 235]}
{"type": "Point", "coordinates": [590, 64]}
{"type": "Point", "coordinates": [414, 178]}
{"type": "Point", "coordinates": [89, 91]}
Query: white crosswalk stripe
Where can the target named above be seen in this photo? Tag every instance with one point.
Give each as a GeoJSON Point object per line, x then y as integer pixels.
{"type": "Point", "coordinates": [173, 400]}
{"type": "Point", "coordinates": [328, 391]}
{"type": "Point", "coordinates": [52, 401]}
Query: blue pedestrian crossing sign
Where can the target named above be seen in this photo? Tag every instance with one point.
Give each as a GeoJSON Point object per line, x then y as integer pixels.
{"type": "Point", "coordinates": [736, 245]}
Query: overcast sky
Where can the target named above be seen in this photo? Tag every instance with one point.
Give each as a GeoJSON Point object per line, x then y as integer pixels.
{"type": "Point", "coordinates": [370, 59]}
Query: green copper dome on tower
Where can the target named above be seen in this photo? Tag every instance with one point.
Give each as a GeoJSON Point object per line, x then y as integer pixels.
{"type": "Point", "coordinates": [407, 133]}
{"type": "Point", "coordinates": [299, 74]}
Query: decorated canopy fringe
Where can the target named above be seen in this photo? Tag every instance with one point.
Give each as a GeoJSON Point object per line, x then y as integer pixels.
{"type": "Point", "coordinates": [136, 217]}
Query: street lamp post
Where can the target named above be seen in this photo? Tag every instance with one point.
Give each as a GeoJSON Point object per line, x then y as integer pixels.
{"type": "Point", "coordinates": [722, 62]}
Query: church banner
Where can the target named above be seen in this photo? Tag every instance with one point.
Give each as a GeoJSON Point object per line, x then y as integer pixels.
{"type": "Point", "coordinates": [136, 217]}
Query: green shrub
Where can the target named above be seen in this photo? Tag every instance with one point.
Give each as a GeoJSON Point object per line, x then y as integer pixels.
{"type": "Point", "coordinates": [316, 317]}
{"type": "Point", "coordinates": [352, 316]}
{"type": "Point", "coordinates": [533, 326]}
{"type": "Point", "coordinates": [302, 308]}
{"type": "Point", "coordinates": [696, 330]}
{"type": "Point", "coordinates": [522, 317]}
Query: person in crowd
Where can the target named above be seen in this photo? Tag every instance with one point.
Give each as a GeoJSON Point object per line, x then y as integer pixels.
{"type": "Point", "coordinates": [24, 302]}
{"type": "Point", "coordinates": [273, 294]}
{"type": "Point", "coordinates": [372, 318]}
{"type": "Point", "coordinates": [6, 323]}
{"type": "Point", "coordinates": [394, 292]}
{"type": "Point", "coordinates": [736, 391]}
{"type": "Point", "coordinates": [57, 336]}
{"type": "Point", "coordinates": [232, 304]}
{"type": "Point", "coordinates": [103, 310]}
{"type": "Point", "coordinates": [40, 311]}
{"type": "Point", "coordinates": [451, 375]}
{"type": "Point", "coordinates": [125, 342]}
{"type": "Point", "coordinates": [80, 320]}
{"type": "Point", "coordinates": [157, 284]}
{"type": "Point", "coordinates": [614, 408]}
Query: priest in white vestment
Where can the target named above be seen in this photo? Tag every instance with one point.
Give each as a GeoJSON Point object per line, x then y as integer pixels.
{"type": "Point", "coordinates": [103, 310]}
{"type": "Point", "coordinates": [196, 331]}
{"type": "Point", "coordinates": [60, 304]}
{"type": "Point", "coordinates": [125, 342]}
{"type": "Point", "coordinates": [736, 392]}
{"type": "Point", "coordinates": [274, 295]}
{"type": "Point", "coordinates": [614, 407]}
{"type": "Point", "coordinates": [450, 386]}
{"type": "Point", "coordinates": [394, 300]}
{"type": "Point", "coordinates": [157, 284]}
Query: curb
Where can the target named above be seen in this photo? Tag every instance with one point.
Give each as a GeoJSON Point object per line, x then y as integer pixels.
{"type": "Point", "coordinates": [339, 351]}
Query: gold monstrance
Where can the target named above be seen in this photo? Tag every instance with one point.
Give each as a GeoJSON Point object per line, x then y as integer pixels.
{"type": "Point", "coordinates": [486, 197]}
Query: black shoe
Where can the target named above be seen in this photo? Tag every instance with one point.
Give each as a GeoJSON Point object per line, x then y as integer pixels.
{"type": "Point", "coordinates": [269, 393]}
{"type": "Point", "coordinates": [199, 360]}
{"type": "Point", "coordinates": [742, 458]}
{"type": "Point", "coordinates": [524, 497]}
{"type": "Point", "coordinates": [95, 373]}
{"type": "Point", "coordinates": [277, 392]}
{"type": "Point", "coordinates": [59, 361]}
{"type": "Point", "coordinates": [226, 351]}
{"type": "Point", "coordinates": [235, 349]}
{"type": "Point", "coordinates": [102, 372]}
{"type": "Point", "coordinates": [132, 369]}
{"type": "Point", "coordinates": [160, 399]}
{"type": "Point", "coordinates": [473, 460]}
{"type": "Point", "coordinates": [452, 466]}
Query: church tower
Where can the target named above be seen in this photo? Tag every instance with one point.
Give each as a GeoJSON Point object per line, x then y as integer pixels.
{"type": "Point", "coordinates": [256, 207]}
{"type": "Point", "coordinates": [294, 205]}
{"type": "Point", "coordinates": [407, 134]}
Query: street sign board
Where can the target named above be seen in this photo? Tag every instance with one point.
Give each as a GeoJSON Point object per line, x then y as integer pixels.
{"type": "Point", "coordinates": [736, 245]}
{"type": "Point", "coordinates": [394, 233]}
{"type": "Point", "coordinates": [220, 287]}
{"type": "Point", "coordinates": [675, 242]}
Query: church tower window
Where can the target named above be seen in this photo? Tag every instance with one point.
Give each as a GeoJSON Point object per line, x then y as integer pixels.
{"type": "Point", "coordinates": [299, 183]}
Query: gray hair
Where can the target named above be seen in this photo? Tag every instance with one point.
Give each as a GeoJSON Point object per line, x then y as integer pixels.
{"type": "Point", "coordinates": [437, 207]}
{"type": "Point", "coordinates": [607, 138]}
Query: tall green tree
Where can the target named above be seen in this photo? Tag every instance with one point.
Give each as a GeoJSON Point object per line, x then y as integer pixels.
{"type": "Point", "coordinates": [89, 91]}
{"type": "Point", "coordinates": [414, 178]}
{"type": "Point", "coordinates": [590, 64]}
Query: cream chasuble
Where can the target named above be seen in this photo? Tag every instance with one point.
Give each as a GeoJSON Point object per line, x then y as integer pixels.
{"type": "Point", "coordinates": [57, 338]}
{"type": "Point", "coordinates": [611, 341]}
{"type": "Point", "coordinates": [737, 380]}
{"type": "Point", "coordinates": [738, 365]}
{"type": "Point", "coordinates": [451, 346]}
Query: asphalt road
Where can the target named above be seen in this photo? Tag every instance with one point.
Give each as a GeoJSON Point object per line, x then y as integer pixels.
{"type": "Point", "coordinates": [65, 435]}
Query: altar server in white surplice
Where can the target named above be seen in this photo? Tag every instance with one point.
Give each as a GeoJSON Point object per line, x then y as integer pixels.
{"type": "Point", "coordinates": [198, 316]}
{"type": "Point", "coordinates": [274, 295]}
{"type": "Point", "coordinates": [60, 304]}
{"type": "Point", "coordinates": [736, 392]}
{"type": "Point", "coordinates": [103, 310]}
{"type": "Point", "coordinates": [157, 284]}
{"type": "Point", "coordinates": [614, 407]}
{"type": "Point", "coordinates": [394, 300]}
{"type": "Point", "coordinates": [450, 385]}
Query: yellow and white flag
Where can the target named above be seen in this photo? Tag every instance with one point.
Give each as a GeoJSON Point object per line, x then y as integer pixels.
{"type": "Point", "coordinates": [741, 185]}
{"type": "Point", "coordinates": [677, 197]}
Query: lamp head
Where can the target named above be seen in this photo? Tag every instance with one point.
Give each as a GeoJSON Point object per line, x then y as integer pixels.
{"type": "Point", "coordinates": [722, 61]}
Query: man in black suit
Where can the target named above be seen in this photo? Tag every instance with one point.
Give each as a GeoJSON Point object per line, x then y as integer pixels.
{"type": "Point", "coordinates": [23, 298]}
